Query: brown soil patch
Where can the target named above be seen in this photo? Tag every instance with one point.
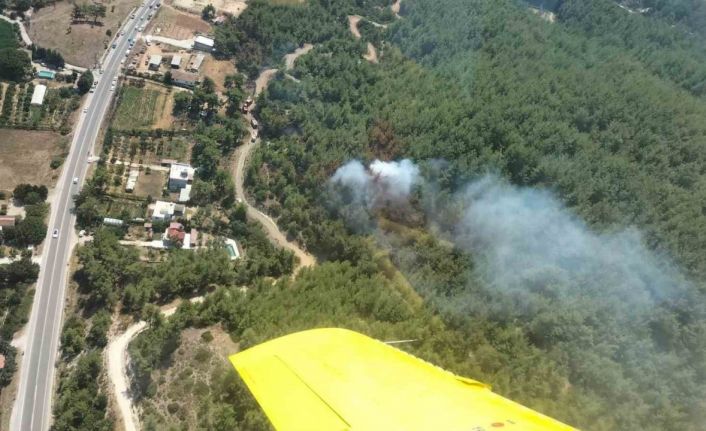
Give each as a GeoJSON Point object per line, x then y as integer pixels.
{"type": "Point", "coordinates": [150, 185]}
{"type": "Point", "coordinates": [395, 7]}
{"type": "Point", "coordinates": [25, 157]}
{"type": "Point", "coordinates": [217, 70]}
{"type": "Point", "coordinates": [233, 7]}
{"type": "Point", "coordinates": [85, 43]}
{"type": "Point", "coordinates": [166, 120]}
{"type": "Point", "coordinates": [170, 22]}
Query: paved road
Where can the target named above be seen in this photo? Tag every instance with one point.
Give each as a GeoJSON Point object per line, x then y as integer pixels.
{"type": "Point", "coordinates": [32, 410]}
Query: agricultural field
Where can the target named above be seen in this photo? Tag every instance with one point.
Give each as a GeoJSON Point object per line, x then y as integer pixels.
{"type": "Point", "coordinates": [8, 37]}
{"type": "Point", "coordinates": [144, 107]}
{"type": "Point", "coordinates": [54, 114]}
{"type": "Point", "coordinates": [15, 165]}
{"type": "Point", "coordinates": [149, 149]}
{"type": "Point", "coordinates": [184, 387]}
{"type": "Point", "coordinates": [80, 44]}
{"type": "Point", "coordinates": [122, 208]}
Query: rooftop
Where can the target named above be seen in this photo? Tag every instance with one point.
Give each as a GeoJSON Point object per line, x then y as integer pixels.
{"type": "Point", "coordinates": [38, 95]}
{"type": "Point", "coordinates": [203, 40]}
{"type": "Point", "coordinates": [181, 171]}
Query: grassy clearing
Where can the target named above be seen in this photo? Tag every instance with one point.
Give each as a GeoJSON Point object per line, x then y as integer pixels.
{"type": "Point", "coordinates": [15, 165]}
{"type": "Point", "coordinates": [137, 108]}
{"type": "Point", "coordinates": [150, 184]}
{"type": "Point", "coordinates": [8, 38]}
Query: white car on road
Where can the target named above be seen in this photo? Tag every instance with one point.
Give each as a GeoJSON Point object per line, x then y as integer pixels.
{"type": "Point", "coordinates": [75, 180]}
{"type": "Point", "coordinates": [55, 234]}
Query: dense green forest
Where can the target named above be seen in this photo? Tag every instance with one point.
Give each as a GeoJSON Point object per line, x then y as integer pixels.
{"type": "Point", "coordinates": [15, 301]}
{"type": "Point", "coordinates": [603, 108]}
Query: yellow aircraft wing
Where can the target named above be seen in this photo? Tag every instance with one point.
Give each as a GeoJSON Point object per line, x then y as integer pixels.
{"type": "Point", "coordinates": [336, 379]}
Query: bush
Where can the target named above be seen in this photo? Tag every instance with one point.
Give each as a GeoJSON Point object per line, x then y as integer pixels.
{"type": "Point", "coordinates": [29, 194]}
{"type": "Point", "coordinates": [56, 162]}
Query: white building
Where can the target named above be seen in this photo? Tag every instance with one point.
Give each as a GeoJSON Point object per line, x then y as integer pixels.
{"type": "Point", "coordinates": [155, 61]}
{"type": "Point", "coordinates": [165, 211]}
{"type": "Point", "coordinates": [132, 180]}
{"type": "Point", "coordinates": [180, 175]}
{"type": "Point", "coordinates": [112, 221]}
{"type": "Point", "coordinates": [185, 193]}
{"type": "Point", "coordinates": [38, 95]}
{"type": "Point", "coordinates": [195, 63]}
{"type": "Point", "coordinates": [203, 43]}
{"type": "Point", "coordinates": [176, 61]}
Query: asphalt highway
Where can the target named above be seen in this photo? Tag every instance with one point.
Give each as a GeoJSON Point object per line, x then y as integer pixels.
{"type": "Point", "coordinates": [32, 410]}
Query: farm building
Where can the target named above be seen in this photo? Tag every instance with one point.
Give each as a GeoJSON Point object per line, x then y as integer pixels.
{"type": "Point", "coordinates": [195, 63]}
{"type": "Point", "coordinates": [38, 95]}
{"type": "Point", "coordinates": [132, 180]}
{"type": "Point", "coordinates": [112, 221]}
{"type": "Point", "coordinates": [46, 74]}
{"type": "Point", "coordinates": [166, 210]}
{"type": "Point", "coordinates": [176, 61]}
{"type": "Point", "coordinates": [185, 79]}
{"type": "Point", "coordinates": [6, 221]}
{"type": "Point", "coordinates": [180, 175]}
{"type": "Point", "coordinates": [155, 61]}
{"type": "Point", "coordinates": [203, 43]}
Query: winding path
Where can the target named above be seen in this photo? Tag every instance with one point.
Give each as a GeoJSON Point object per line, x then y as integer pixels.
{"type": "Point", "coordinates": [23, 32]}
{"type": "Point", "coordinates": [242, 154]}
{"type": "Point", "coordinates": [118, 362]}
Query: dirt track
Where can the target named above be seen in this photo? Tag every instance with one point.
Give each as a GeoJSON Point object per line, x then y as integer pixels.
{"type": "Point", "coordinates": [396, 8]}
{"type": "Point", "coordinates": [242, 154]}
{"type": "Point", "coordinates": [289, 59]}
{"type": "Point", "coordinates": [372, 54]}
{"type": "Point", "coordinates": [117, 357]}
{"type": "Point", "coordinates": [353, 21]}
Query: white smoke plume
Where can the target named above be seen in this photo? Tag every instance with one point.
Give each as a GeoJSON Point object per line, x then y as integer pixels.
{"type": "Point", "coordinates": [380, 182]}
{"type": "Point", "coordinates": [524, 237]}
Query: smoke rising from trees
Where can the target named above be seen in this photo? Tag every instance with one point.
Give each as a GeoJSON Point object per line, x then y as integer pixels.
{"type": "Point", "coordinates": [529, 250]}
